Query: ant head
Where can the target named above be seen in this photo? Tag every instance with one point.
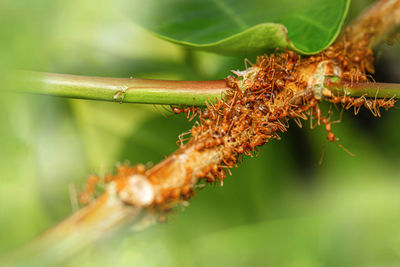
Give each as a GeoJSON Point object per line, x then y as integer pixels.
{"type": "Point", "coordinates": [331, 137]}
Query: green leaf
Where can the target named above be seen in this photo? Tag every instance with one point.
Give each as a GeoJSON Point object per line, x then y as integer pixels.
{"type": "Point", "coordinates": [235, 27]}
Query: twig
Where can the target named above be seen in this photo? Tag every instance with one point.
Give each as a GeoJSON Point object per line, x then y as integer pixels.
{"type": "Point", "coordinates": [368, 90]}
{"type": "Point", "coordinates": [123, 90]}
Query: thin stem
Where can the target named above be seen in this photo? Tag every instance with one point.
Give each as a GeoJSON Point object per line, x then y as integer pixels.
{"type": "Point", "coordinates": [78, 231]}
{"type": "Point", "coordinates": [132, 90]}
{"type": "Point", "coordinates": [370, 90]}
{"type": "Point", "coordinates": [124, 90]}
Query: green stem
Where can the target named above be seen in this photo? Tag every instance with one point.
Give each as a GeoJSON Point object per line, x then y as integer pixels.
{"type": "Point", "coordinates": [371, 90]}
{"type": "Point", "coordinates": [124, 90]}
{"type": "Point", "coordinates": [132, 90]}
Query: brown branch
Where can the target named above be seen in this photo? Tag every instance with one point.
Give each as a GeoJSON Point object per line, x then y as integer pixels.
{"type": "Point", "coordinates": [376, 23]}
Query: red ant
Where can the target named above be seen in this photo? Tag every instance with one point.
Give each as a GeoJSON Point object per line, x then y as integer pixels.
{"type": "Point", "coordinates": [187, 111]}
{"type": "Point", "coordinates": [331, 136]}
{"type": "Point", "coordinates": [315, 112]}
{"type": "Point", "coordinates": [357, 103]}
{"type": "Point", "coordinates": [181, 140]}
{"type": "Point", "coordinates": [85, 197]}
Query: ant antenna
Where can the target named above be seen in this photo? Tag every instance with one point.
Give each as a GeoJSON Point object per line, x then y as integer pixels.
{"type": "Point", "coordinates": [321, 158]}
{"type": "Point", "coordinates": [73, 197]}
{"type": "Point", "coordinates": [345, 149]}
{"type": "Point", "coordinates": [298, 122]}
{"type": "Point", "coordinates": [246, 60]}
{"type": "Point", "coordinates": [371, 77]}
{"type": "Point", "coordinates": [164, 107]}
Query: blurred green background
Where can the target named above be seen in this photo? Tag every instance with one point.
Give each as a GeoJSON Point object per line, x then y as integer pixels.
{"type": "Point", "coordinates": [278, 209]}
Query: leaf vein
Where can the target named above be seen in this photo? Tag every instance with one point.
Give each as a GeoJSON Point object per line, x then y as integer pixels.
{"type": "Point", "coordinates": [230, 13]}
{"type": "Point", "coordinates": [312, 22]}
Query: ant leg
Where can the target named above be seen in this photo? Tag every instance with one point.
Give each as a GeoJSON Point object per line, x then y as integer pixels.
{"type": "Point", "coordinates": [369, 105]}
{"type": "Point", "coordinates": [371, 77]}
{"type": "Point", "coordinates": [192, 117]}
{"type": "Point", "coordinates": [318, 110]}
{"type": "Point", "coordinates": [321, 159]}
{"type": "Point", "coordinates": [328, 117]}
{"type": "Point", "coordinates": [377, 110]}
{"type": "Point", "coordinates": [181, 139]}
{"type": "Point", "coordinates": [246, 60]}
{"type": "Point", "coordinates": [311, 120]}
{"type": "Point", "coordinates": [340, 118]}
{"type": "Point", "coordinates": [318, 116]}
{"type": "Point", "coordinates": [73, 196]}
{"type": "Point", "coordinates": [194, 111]}
{"type": "Point", "coordinates": [345, 149]}
{"type": "Point", "coordinates": [160, 112]}
{"type": "Point", "coordinates": [282, 127]}
{"type": "Point", "coordinates": [298, 122]}
{"type": "Point", "coordinates": [374, 103]}
{"type": "Point", "coordinates": [336, 106]}
{"type": "Point", "coordinates": [356, 109]}
{"type": "Point", "coordinates": [351, 103]}
{"type": "Point", "coordinates": [301, 115]}
{"type": "Point", "coordinates": [187, 113]}
{"type": "Point", "coordinates": [387, 102]}
{"type": "Point", "coordinates": [359, 107]}
{"type": "Point", "coordinates": [165, 108]}
{"type": "Point", "coordinates": [91, 183]}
